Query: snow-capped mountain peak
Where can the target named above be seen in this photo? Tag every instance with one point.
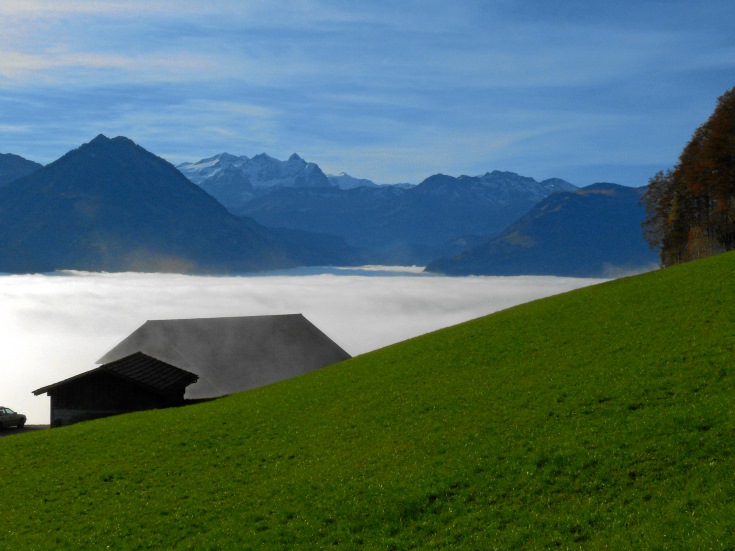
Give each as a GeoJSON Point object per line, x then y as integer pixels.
{"type": "Point", "coordinates": [206, 168]}
{"type": "Point", "coordinates": [226, 175]}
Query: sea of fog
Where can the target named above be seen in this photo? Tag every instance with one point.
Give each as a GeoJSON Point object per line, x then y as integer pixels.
{"type": "Point", "coordinates": [56, 326]}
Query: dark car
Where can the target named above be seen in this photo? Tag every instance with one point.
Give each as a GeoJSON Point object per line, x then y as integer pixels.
{"type": "Point", "coordinates": [8, 418]}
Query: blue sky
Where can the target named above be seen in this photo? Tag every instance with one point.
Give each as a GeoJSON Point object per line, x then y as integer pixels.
{"type": "Point", "coordinates": [587, 91]}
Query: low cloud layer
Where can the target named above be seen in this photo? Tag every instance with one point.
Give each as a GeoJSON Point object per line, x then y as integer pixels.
{"type": "Point", "coordinates": [54, 327]}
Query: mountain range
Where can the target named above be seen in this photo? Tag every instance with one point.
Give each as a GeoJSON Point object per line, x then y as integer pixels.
{"type": "Point", "coordinates": [594, 231]}
{"type": "Point", "coordinates": [395, 224]}
{"type": "Point", "coordinates": [110, 205]}
{"type": "Point", "coordinates": [406, 225]}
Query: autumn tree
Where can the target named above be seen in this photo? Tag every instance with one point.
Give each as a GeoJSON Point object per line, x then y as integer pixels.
{"type": "Point", "coordinates": [690, 210]}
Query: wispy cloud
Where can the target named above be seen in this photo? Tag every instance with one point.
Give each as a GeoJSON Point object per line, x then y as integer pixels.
{"type": "Point", "coordinates": [14, 128]}
{"type": "Point", "coordinates": [464, 83]}
{"type": "Point", "coordinates": [18, 65]}
{"type": "Point", "coordinates": [52, 9]}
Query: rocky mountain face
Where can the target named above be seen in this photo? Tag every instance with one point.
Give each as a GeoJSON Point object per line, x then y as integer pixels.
{"type": "Point", "coordinates": [111, 205]}
{"type": "Point", "coordinates": [591, 232]}
{"type": "Point", "coordinates": [13, 167]}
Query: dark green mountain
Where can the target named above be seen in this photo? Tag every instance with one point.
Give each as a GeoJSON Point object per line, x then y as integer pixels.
{"type": "Point", "coordinates": [592, 232]}
{"type": "Point", "coordinates": [111, 205]}
{"type": "Point", "coordinates": [13, 167]}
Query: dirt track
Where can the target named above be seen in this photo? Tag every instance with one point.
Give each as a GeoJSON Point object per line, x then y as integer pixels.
{"type": "Point", "coordinates": [27, 428]}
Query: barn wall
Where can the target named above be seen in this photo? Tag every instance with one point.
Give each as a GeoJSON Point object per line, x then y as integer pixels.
{"type": "Point", "coordinates": [101, 395]}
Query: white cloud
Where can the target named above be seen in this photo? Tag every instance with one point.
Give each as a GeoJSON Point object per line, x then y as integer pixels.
{"type": "Point", "coordinates": [55, 327]}
{"type": "Point", "coordinates": [14, 129]}
{"type": "Point", "coordinates": [53, 9]}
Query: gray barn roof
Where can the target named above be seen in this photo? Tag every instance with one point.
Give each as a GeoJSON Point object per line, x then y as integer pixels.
{"type": "Point", "coordinates": [140, 369]}
{"type": "Point", "coordinates": [234, 354]}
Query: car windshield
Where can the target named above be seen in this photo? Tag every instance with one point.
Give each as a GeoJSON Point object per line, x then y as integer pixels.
{"type": "Point", "coordinates": [8, 411]}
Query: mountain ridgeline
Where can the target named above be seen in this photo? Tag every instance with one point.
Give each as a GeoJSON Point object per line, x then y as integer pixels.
{"type": "Point", "coordinates": [110, 205]}
{"type": "Point", "coordinates": [591, 232]}
{"type": "Point", "coordinates": [392, 224]}
{"type": "Point", "coordinates": [13, 167]}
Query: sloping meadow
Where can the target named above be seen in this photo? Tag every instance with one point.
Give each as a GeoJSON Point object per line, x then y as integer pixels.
{"type": "Point", "coordinates": [601, 417]}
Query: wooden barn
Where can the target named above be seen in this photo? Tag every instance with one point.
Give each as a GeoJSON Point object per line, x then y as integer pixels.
{"type": "Point", "coordinates": [133, 383]}
{"type": "Point", "coordinates": [233, 354]}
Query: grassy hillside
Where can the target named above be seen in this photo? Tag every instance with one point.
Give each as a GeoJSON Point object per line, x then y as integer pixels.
{"type": "Point", "coordinates": [601, 418]}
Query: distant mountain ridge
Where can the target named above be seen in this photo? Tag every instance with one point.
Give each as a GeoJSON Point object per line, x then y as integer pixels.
{"type": "Point", "coordinates": [406, 225]}
{"type": "Point", "coordinates": [590, 232]}
{"type": "Point", "coordinates": [264, 171]}
{"type": "Point", "coordinates": [345, 181]}
{"type": "Point", "coordinates": [395, 224]}
{"type": "Point", "coordinates": [13, 167]}
{"type": "Point", "coordinates": [111, 205]}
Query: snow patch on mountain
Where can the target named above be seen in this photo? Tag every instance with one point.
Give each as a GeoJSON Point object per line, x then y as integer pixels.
{"type": "Point", "coordinates": [261, 171]}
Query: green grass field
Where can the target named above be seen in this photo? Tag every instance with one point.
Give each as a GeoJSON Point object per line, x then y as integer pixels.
{"type": "Point", "coordinates": [601, 418]}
